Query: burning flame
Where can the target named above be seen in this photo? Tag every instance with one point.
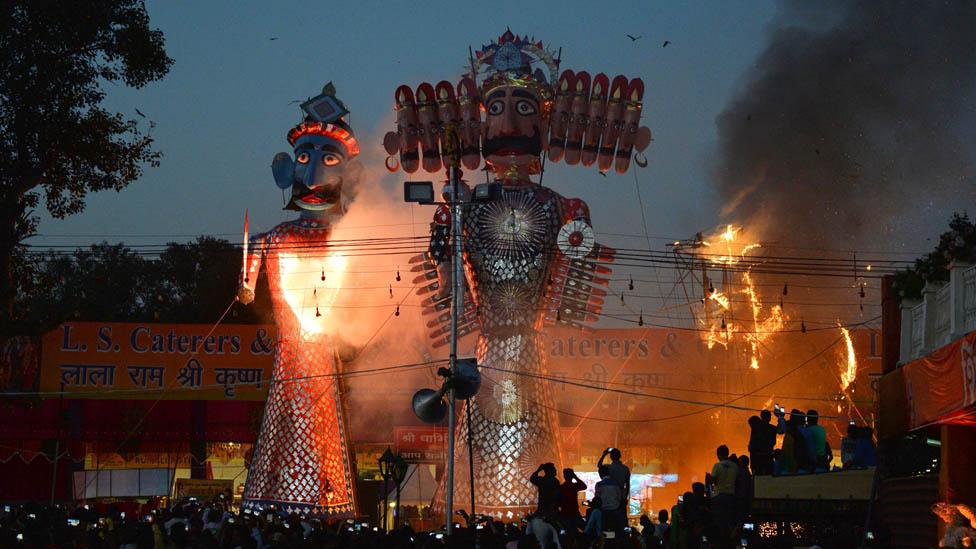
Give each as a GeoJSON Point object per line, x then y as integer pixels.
{"type": "Point", "coordinates": [764, 328]}
{"type": "Point", "coordinates": [721, 329]}
{"type": "Point", "coordinates": [849, 374]}
{"type": "Point", "coordinates": [309, 297]}
{"type": "Point", "coordinates": [727, 238]}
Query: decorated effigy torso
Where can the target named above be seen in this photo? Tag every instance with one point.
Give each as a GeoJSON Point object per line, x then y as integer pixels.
{"type": "Point", "coordinates": [291, 252]}
{"type": "Point", "coordinates": [508, 246]}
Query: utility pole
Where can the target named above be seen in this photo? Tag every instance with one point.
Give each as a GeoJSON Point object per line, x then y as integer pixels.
{"type": "Point", "coordinates": [456, 303]}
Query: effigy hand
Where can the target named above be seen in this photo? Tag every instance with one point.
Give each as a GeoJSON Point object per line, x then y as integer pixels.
{"type": "Point", "coordinates": [429, 120]}
{"type": "Point", "coordinates": [595, 121]}
{"type": "Point", "coordinates": [245, 295]}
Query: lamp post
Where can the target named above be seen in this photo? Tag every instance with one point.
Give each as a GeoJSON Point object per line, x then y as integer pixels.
{"type": "Point", "coordinates": [386, 469]}
{"type": "Point", "coordinates": [399, 472]}
{"type": "Point", "coordinates": [422, 192]}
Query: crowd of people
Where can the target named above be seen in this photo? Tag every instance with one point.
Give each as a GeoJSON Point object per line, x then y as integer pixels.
{"type": "Point", "coordinates": [714, 513]}
{"type": "Point", "coordinates": [804, 448]}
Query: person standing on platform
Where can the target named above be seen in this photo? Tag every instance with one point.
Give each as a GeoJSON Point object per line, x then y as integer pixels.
{"type": "Point", "coordinates": [620, 473]}
{"type": "Point", "coordinates": [609, 491]}
{"type": "Point", "coordinates": [816, 440]}
{"type": "Point", "coordinates": [762, 439]}
{"type": "Point", "coordinates": [548, 486]}
{"type": "Point", "coordinates": [569, 514]}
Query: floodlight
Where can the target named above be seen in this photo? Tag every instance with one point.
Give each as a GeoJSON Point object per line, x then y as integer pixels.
{"type": "Point", "coordinates": [487, 191]}
{"type": "Point", "coordinates": [421, 192]}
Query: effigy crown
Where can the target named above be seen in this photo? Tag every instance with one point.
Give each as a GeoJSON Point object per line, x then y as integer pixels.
{"type": "Point", "coordinates": [508, 62]}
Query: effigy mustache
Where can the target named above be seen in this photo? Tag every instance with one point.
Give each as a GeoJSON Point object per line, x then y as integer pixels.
{"type": "Point", "coordinates": [528, 144]}
{"type": "Point", "coordinates": [328, 193]}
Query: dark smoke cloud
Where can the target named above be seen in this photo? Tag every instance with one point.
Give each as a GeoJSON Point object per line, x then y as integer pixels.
{"type": "Point", "coordinates": [855, 115]}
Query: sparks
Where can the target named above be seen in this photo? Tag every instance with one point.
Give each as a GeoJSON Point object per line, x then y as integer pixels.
{"type": "Point", "coordinates": [849, 374]}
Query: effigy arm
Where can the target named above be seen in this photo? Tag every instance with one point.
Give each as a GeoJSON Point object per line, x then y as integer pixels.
{"type": "Point", "coordinates": [580, 271]}
{"type": "Point", "coordinates": [256, 250]}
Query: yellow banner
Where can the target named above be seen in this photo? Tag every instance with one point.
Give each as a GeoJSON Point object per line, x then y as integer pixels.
{"type": "Point", "coordinates": [201, 488]}
{"type": "Point", "coordinates": [150, 361]}
{"type": "Point", "coordinates": [146, 460]}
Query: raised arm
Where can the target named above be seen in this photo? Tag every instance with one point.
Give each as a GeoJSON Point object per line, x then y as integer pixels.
{"type": "Point", "coordinates": [256, 250]}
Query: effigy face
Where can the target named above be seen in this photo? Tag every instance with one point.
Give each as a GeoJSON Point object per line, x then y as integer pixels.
{"type": "Point", "coordinates": [514, 129]}
{"type": "Point", "coordinates": [323, 162]}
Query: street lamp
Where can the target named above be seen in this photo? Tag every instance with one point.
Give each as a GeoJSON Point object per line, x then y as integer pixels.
{"type": "Point", "coordinates": [386, 461]}
{"type": "Point", "coordinates": [399, 472]}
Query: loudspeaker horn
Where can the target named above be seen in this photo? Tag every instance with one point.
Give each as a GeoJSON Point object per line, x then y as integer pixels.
{"type": "Point", "coordinates": [429, 405]}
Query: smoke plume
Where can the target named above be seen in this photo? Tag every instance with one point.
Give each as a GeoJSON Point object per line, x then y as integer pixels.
{"type": "Point", "coordinates": [845, 126]}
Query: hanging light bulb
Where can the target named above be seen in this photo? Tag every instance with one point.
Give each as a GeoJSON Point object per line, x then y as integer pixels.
{"type": "Point", "coordinates": [786, 288]}
{"type": "Point", "coordinates": [558, 317]}
{"type": "Point", "coordinates": [861, 292]}
{"type": "Point", "coordinates": [398, 274]}
{"type": "Point", "coordinates": [397, 312]}
{"type": "Point", "coordinates": [391, 291]}
{"type": "Point", "coordinates": [317, 313]}
{"type": "Point", "coordinates": [315, 291]}
{"type": "Point", "coordinates": [723, 322]}
{"type": "Point", "coordinates": [631, 285]}
{"type": "Point", "coordinates": [640, 318]}
{"type": "Point", "coordinates": [803, 327]}
{"type": "Point", "coordinates": [622, 298]}
{"type": "Point", "coordinates": [323, 274]}
{"type": "Point", "coordinates": [780, 302]}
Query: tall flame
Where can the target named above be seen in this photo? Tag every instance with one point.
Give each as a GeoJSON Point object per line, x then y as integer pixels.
{"type": "Point", "coordinates": [721, 329]}
{"type": "Point", "coordinates": [849, 374]}
{"type": "Point", "coordinates": [762, 329]}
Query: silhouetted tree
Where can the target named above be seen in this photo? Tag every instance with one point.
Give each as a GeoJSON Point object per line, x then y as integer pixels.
{"type": "Point", "coordinates": [191, 282]}
{"type": "Point", "coordinates": [56, 139]}
{"type": "Point", "coordinates": [956, 244]}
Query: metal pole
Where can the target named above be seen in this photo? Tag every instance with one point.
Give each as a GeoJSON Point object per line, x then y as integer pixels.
{"type": "Point", "coordinates": [456, 304]}
{"type": "Point", "coordinates": [396, 510]}
{"type": "Point", "coordinates": [386, 503]}
{"type": "Point", "coordinates": [54, 467]}
{"type": "Point", "coordinates": [57, 451]}
{"type": "Point", "coordinates": [467, 408]}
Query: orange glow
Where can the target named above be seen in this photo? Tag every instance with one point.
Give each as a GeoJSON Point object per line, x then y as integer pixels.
{"type": "Point", "coordinates": [308, 296]}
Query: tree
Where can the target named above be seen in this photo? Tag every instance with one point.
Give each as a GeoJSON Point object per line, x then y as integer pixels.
{"type": "Point", "coordinates": [191, 282]}
{"type": "Point", "coordinates": [106, 282]}
{"type": "Point", "coordinates": [956, 244]}
{"type": "Point", "coordinates": [56, 140]}
{"type": "Point", "coordinates": [196, 282]}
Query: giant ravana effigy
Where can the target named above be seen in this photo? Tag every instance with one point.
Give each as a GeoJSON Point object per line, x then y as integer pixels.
{"type": "Point", "coordinates": [530, 255]}
{"type": "Point", "coordinates": [301, 460]}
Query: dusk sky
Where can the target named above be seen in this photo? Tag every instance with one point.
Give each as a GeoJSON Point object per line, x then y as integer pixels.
{"type": "Point", "coordinates": [222, 112]}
